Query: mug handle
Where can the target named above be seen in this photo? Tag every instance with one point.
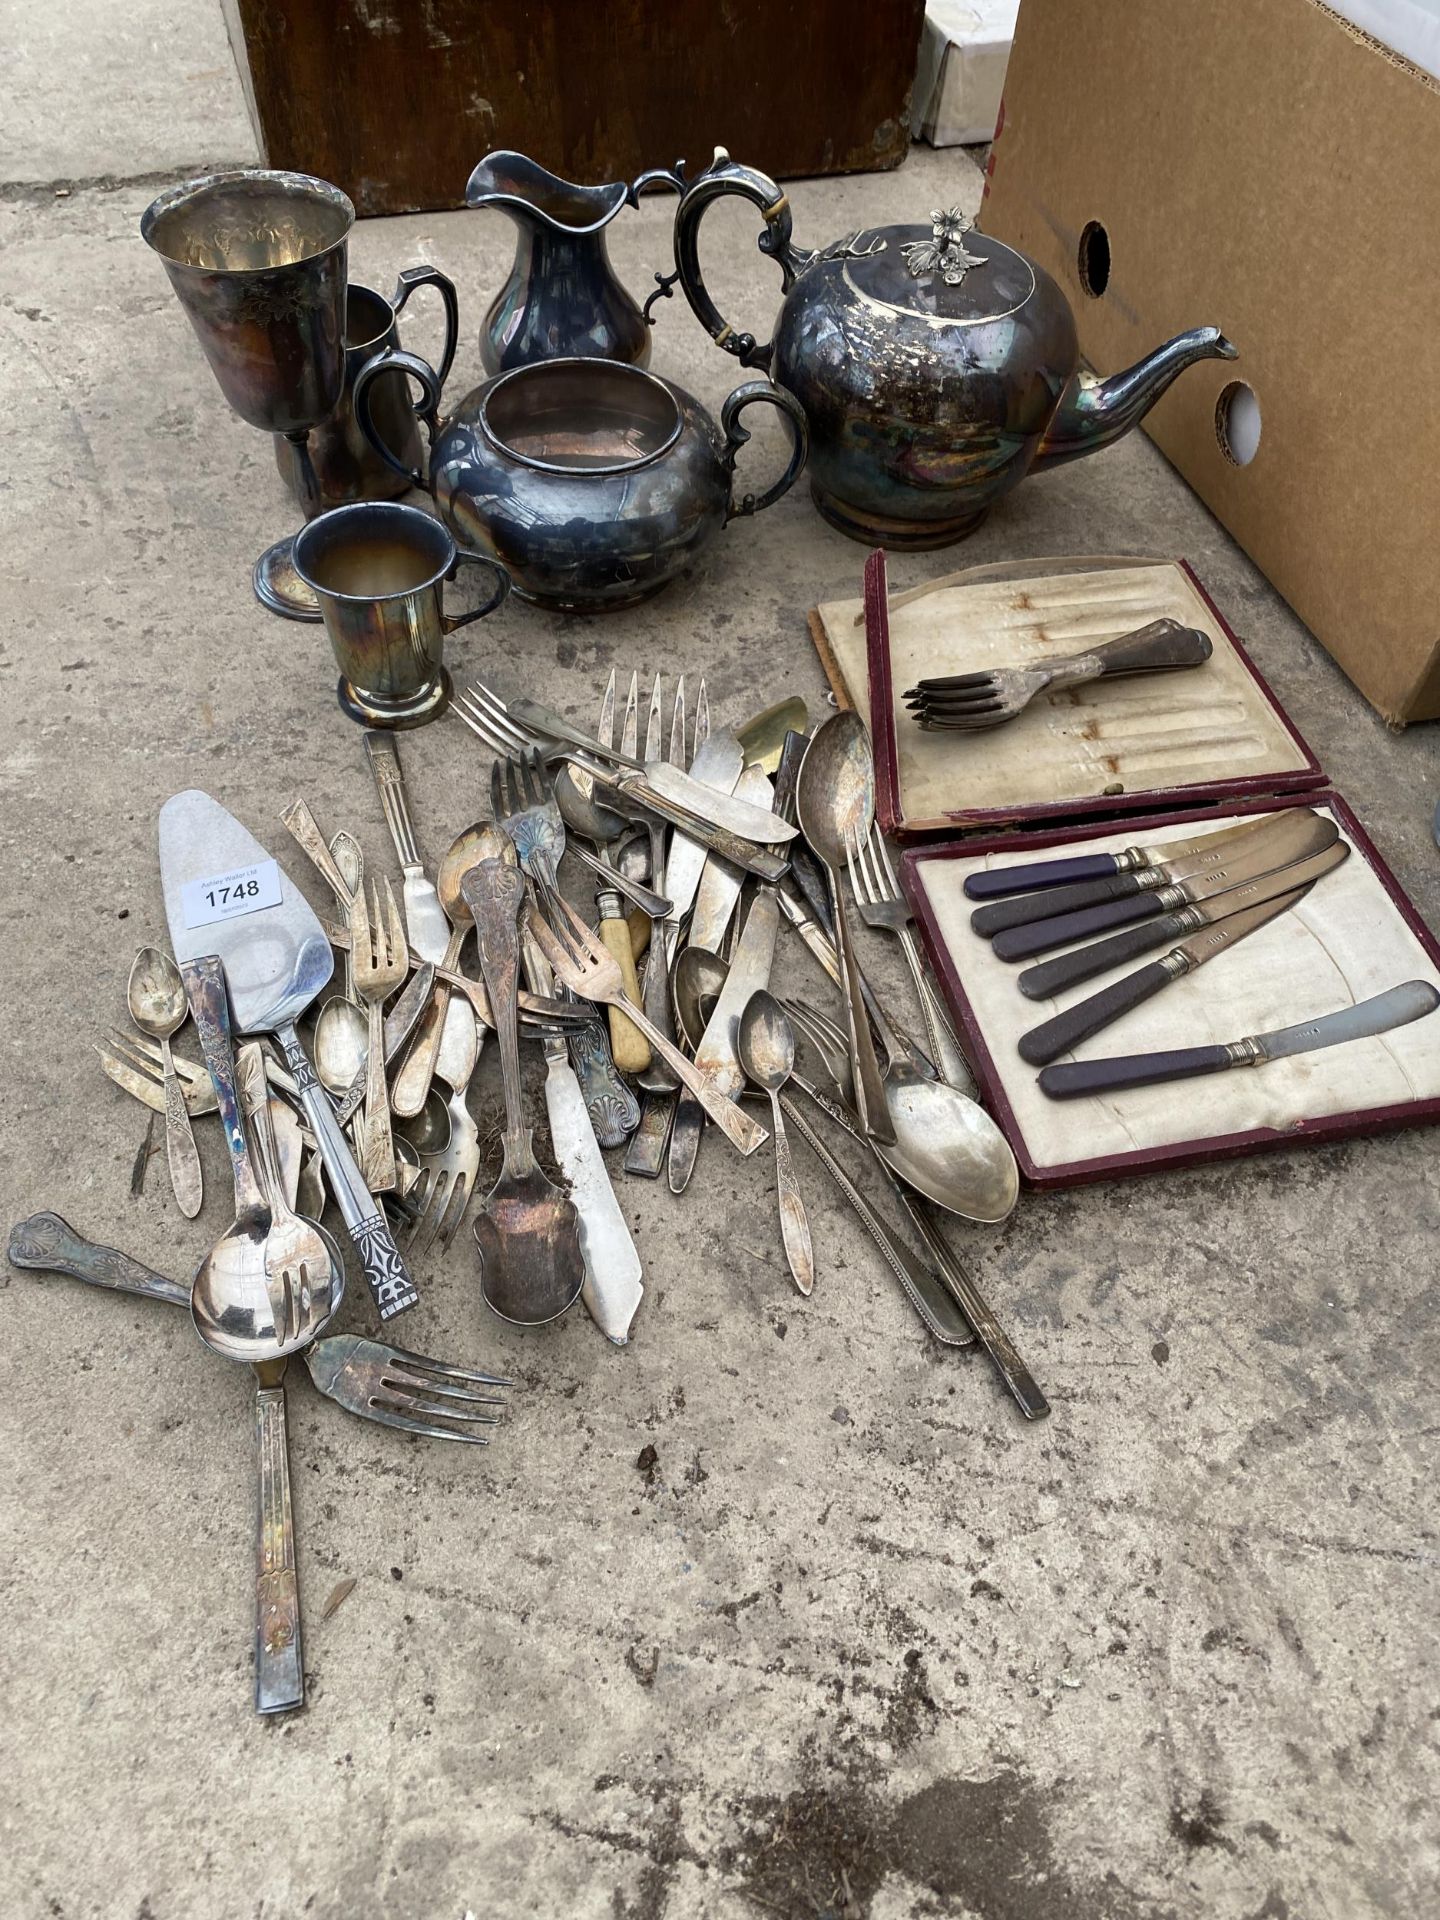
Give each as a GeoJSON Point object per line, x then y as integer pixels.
{"type": "Point", "coordinates": [425, 276]}
{"type": "Point", "coordinates": [464, 555]}
{"type": "Point", "coordinates": [736, 436]}
{"type": "Point", "coordinates": [427, 408]}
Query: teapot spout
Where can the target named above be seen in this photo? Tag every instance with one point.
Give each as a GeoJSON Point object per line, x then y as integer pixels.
{"type": "Point", "coordinates": [1092, 412]}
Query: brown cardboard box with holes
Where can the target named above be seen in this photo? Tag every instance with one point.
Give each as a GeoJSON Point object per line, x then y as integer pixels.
{"type": "Point", "coordinates": [1263, 164]}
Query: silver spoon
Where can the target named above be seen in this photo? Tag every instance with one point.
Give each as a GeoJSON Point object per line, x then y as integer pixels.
{"type": "Point", "coordinates": [697, 987]}
{"type": "Point", "coordinates": [342, 1040]}
{"type": "Point", "coordinates": [349, 857]}
{"type": "Point", "coordinates": [156, 997]}
{"type": "Point", "coordinates": [767, 1053]}
{"type": "Point", "coordinates": [835, 805]}
{"type": "Point", "coordinates": [429, 1130]}
{"type": "Point", "coordinates": [946, 1145]}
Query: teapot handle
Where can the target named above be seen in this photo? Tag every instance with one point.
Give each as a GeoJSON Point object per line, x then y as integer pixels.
{"type": "Point", "coordinates": [736, 436]}
{"type": "Point", "coordinates": [427, 408]}
{"type": "Point", "coordinates": [427, 276]}
{"type": "Point", "coordinates": [721, 177]}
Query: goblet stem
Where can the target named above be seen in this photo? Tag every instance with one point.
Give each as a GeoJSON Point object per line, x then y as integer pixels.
{"type": "Point", "coordinates": [307, 480]}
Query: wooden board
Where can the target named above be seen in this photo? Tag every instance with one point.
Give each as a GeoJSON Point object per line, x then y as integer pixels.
{"type": "Point", "coordinates": [396, 102]}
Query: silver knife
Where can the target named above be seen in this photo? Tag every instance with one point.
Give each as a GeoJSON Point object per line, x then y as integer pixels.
{"type": "Point", "coordinates": [612, 1291]}
{"type": "Point", "coordinates": [1290, 843]}
{"type": "Point", "coordinates": [1269, 843]}
{"type": "Point", "coordinates": [1397, 1007]}
{"type": "Point", "coordinates": [718, 1053]}
{"type": "Point", "coordinates": [1052, 976]}
{"type": "Point", "coordinates": [718, 764]}
{"type": "Point", "coordinates": [997, 882]}
{"type": "Point", "coordinates": [1053, 1037]}
{"type": "Point", "coordinates": [720, 883]}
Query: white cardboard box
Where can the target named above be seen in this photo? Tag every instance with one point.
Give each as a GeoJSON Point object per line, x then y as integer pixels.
{"type": "Point", "coordinates": [961, 75]}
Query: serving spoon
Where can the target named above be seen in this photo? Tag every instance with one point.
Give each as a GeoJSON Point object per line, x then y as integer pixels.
{"type": "Point", "coordinates": [267, 1288]}
{"type": "Point", "coordinates": [528, 1231]}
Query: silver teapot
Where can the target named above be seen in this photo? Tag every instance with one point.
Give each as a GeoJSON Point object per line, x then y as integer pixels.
{"type": "Point", "coordinates": [936, 366]}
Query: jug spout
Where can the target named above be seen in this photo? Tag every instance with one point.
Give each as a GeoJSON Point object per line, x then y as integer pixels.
{"type": "Point", "coordinates": [533, 195]}
{"type": "Point", "coordinates": [1092, 412]}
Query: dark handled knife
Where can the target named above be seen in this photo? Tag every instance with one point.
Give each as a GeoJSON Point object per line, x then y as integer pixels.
{"type": "Point", "coordinates": [1395, 1008]}
{"type": "Point", "coordinates": [1025, 908]}
{"type": "Point", "coordinates": [1289, 840]}
{"type": "Point", "coordinates": [1083, 963]}
{"type": "Point", "coordinates": [998, 881]}
{"type": "Point", "coordinates": [1051, 1038]}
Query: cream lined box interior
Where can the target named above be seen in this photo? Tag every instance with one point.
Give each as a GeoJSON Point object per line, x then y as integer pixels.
{"type": "Point", "coordinates": [1344, 942]}
{"type": "Point", "coordinates": [1130, 734]}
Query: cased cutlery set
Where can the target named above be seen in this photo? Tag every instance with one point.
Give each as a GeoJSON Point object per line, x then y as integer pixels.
{"type": "Point", "coordinates": [625, 901]}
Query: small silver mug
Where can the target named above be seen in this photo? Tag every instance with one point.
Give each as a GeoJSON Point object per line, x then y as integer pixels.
{"type": "Point", "coordinates": [378, 569]}
{"type": "Point", "coordinates": [344, 465]}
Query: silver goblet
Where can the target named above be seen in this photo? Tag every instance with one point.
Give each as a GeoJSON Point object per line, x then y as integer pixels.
{"type": "Point", "coordinates": [257, 259]}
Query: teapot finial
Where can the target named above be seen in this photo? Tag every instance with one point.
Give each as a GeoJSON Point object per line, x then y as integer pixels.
{"type": "Point", "coordinates": [945, 252]}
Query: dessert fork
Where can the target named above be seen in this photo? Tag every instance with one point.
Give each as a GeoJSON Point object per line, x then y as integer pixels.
{"type": "Point", "coordinates": [970, 702]}
{"type": "Point", "coordinates": [881, 903]}
{"type": "Point", "coordinates": [381, 961]}
{"type": "Point", "coordinates": [592, 971]}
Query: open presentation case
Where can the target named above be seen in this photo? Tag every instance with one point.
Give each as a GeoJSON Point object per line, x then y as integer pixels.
{"type": "Point", "coordinates": [1113, 764]}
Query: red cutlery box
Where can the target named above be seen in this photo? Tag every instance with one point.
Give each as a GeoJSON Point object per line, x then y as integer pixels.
{"type": "Point", "coordinates": [1112, 764]}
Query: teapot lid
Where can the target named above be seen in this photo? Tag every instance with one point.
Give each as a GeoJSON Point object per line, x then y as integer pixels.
{"type": "Point", "coordinates": [932, 270]}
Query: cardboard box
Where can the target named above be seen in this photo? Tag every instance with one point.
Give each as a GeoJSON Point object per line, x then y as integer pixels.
{"type": "Point", "coordinates": [1263, 166]}
{"type": "Point", "coordinates": [961, 76]}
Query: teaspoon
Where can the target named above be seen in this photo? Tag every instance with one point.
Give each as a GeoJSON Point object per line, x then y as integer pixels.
{"type": "Point", "coordinates": [156, 996]}
{"type": "Point", "coordinates": [767, 1053]}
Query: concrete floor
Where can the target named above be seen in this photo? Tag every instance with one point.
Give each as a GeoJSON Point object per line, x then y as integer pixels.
{"type": "Point", "coordinates": [857, 1642]}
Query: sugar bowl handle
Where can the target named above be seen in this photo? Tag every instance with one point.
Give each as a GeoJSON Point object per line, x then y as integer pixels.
{"type": "Point", "coordinates": [427, 408]}
{"type": "Point", "coordinates": [736, 436]}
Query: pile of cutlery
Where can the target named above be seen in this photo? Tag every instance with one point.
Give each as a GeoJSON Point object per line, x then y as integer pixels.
{"type": "Point", "coordinates": [626, 898]}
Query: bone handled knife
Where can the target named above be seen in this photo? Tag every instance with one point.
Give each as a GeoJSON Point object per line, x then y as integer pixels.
{"type": "Point", "coordinates": [1053, 1037]}
{"type": "Point", "coordinates": [1290, 841]}
{"type": "Point", "coordinates": [1025, 877]}
{"type": "Point", "coordinates": [1050, 977]}
{"type": "Point", "coordinates": [1380, 1014]}
{"type": "Point", "coordinates": [1022, 909]}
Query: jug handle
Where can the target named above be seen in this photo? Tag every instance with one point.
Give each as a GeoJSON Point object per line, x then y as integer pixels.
{"type": "Point", "coordinates": [427, 408]}
{"type": "Point", "coordinates": [721, 177]}
{"type": "Point", "coordinates": [736, 436]}
{"type": "Point", "coordinates": [466, 556]}
{"type": "Point", "coordinates": [425, 276]}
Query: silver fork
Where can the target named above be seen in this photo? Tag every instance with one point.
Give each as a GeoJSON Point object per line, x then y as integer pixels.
{"type": "Point", "coordinates": [971, 702]}
{"type": "Point", "coordinates": [379, 1382]}
{"type": "Point", "coordinates": [592, 971]}
{"type": "Point", "coordinates": [881, 903]}
{"type": "Point", "coordinates": [447, 1181]}
{"type": "Point", "coordinates": [612, 1289]}
{"type": "Point", "coordinates": [522, 801]}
